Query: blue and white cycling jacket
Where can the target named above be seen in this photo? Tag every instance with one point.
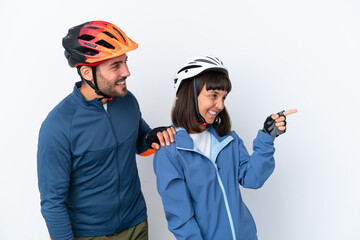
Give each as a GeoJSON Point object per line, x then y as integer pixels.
{"type": "Point", "coordinates": [201, 195]}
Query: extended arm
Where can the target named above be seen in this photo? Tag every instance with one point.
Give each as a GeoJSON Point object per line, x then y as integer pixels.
{"type": "Point", "coordinates": [254, 170]}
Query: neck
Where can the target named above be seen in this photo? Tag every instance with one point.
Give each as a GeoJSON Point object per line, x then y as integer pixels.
{"type": "Point", "coordinates": [89, 93]}
{"type": "Point", "coordinates": [203, 128]}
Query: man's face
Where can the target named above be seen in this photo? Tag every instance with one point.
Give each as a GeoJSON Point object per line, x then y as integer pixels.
{"type": "Point", "coordinates": [111, 76]}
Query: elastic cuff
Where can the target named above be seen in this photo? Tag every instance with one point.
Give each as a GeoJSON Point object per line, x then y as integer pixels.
{"type": "Point", "coordinates": [265, 137]}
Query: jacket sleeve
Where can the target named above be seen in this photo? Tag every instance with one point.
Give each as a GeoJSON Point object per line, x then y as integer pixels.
{"type": "Point", "coordinates": [54, 167]}
{"type": "Point", "coordinates": [254, 170]}
{"type": "Point", "coordinates": [175, 196]}
{"type": "Point", "coordinates": [144, 130]}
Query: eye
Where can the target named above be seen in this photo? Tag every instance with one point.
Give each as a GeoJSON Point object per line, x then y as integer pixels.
{"type": "Point", "coordinates": [115, 67]}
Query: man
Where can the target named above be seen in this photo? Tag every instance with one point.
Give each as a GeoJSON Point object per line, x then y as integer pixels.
{"type": "Point", "coordinates": [87, 174]}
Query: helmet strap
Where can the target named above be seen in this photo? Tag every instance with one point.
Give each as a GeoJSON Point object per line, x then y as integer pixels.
{"type": "Point", "coordinates": [200, 118]}
{"type": "Point", "coordinates": [95, 87]}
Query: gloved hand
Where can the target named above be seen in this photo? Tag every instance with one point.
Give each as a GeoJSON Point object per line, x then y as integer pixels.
{"type": "Point", "coordinates": [275, 124]}
{"type": "Point", "coordinates": [160, 135]}
{"type": "Point", "coordinates": [270, 127]}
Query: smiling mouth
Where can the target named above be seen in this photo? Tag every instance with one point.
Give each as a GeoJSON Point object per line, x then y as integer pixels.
{"type": "Point", "coordinates": [121, 84]}
{"type": "Point", "coordinates": [213, 113]}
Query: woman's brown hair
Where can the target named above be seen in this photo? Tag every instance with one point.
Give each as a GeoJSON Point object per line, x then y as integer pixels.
{"type": "Point", "coordinates": [183, 113]}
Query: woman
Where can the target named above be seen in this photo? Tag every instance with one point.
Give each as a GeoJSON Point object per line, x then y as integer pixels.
{"type": "Point", "coordinates": [198, 175]}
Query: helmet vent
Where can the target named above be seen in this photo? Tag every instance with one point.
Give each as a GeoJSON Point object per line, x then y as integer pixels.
{"type": "Point", "coordinates": [216, 59]}
{"type": "Point", "coordinates": [87, 51]}
{"type": "Point", "coordinates": [92, 27]}
{"type": "Point", "coordinates": [105, 44]}
{"type": "Point", "coordinates": [188, 67]}
{"type": "Point", "coordinates": [86, 37]}
{"type": "Point", "coordinates": [110, 35]}
{"type": "Point", "coordinates": [120, 33]}
{"type": "Point", "coordinates": [205, 61]}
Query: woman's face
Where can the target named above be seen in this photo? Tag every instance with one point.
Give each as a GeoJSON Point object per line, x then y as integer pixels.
{"type": "Point", "coordinates": [211, 103]}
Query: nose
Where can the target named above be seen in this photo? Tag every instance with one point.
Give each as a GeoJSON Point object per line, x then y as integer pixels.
{"type": "Point", "coordinates": [220, 104]}
{"type": "Point", "coordinates": [125, 70]}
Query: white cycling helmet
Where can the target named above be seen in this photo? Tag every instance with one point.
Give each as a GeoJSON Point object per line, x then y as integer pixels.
{"type": "Point", "coordinates": [197, 65]}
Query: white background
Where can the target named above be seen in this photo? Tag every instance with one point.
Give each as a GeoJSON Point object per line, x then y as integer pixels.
{"type": "Point", "coordinates": [281, 54]}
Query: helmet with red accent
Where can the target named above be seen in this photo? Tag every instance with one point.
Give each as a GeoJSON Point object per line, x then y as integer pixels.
{"type": "Point", "coordinates": [94, 42]}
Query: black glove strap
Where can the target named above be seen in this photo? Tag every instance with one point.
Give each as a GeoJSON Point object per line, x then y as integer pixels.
{"type": "Point", "coordinates": [152, 136]}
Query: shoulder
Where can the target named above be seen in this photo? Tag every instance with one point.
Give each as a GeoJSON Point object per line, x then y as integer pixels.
{"type": "Point", "coordinates": [131, 97]}
{"type": "Point", "coordinates": [59, 119]}
{"type": "Point", "coordinates": [236, 140]}
{"type": "Point", "coordinates": [166, 154]}
{"type": "Point", "coordinates": [234, 134]}
{"type": "Point", "coordinates": [62, 111]}
{"type": "Point", "coordinates": [129, 100]}
{"type": "Point", "coordinates": [130, 94]}
{"type": "Point", "coordinates": [181, 140]}
{"type": "Point", "coordinates": [167, 151]}
{"type": "Point", "coordinates": [166, 161]}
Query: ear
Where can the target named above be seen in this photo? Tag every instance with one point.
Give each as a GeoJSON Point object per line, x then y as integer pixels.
{"type": "Point", "coordinates": [86, 72]}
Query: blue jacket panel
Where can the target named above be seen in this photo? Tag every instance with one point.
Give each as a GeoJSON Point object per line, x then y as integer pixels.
{"type": "Point", "coordinates": [87, 174]}
{"type": "Point", "coordinates": [201, 195]}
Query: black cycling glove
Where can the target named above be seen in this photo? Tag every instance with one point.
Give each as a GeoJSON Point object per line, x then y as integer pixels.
{"type": "Point", "coordinates": [152, 136]}
{"type": "Point", "coordinates": [270, 128]}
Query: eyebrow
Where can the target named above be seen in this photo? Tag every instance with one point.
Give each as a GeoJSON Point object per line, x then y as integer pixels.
{"type": "Point", "coordinates": [115, 63]}
{"type": "Point", "coordinates": [217, 92]}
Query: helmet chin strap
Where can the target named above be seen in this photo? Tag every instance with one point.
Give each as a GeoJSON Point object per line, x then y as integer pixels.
{"type": "Point", "coordinates": [200, 118]}
{"type": "Point", "coordinates": [95, 87]}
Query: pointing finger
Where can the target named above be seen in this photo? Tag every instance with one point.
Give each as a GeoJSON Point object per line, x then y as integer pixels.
{"type": "Point", "coordinates": [291, 111]}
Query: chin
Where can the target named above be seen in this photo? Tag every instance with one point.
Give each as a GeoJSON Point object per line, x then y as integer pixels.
{"type": "Point", "coordinates": [210, 122]}
{"type": "Point", "coordinates": [122, 93]}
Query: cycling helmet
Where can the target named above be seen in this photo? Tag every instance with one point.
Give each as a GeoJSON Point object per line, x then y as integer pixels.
{"type": "Point", "coordinates": [94, 42]}
{"type": "Point", "coordinates": [196, 66]}
{"type": "Point", "coordinates": [193, 68]}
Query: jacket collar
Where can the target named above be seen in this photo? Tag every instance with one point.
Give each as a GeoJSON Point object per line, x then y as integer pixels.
{"type": "Point", "coordinates": [79, 98]}
{"type": "Point", "coordinates": [184, 141]}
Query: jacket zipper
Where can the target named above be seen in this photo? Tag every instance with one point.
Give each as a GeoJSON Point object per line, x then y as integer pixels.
{"type": "Point", "coordinates": [221, 186]}
{"type": "Point", "coordinates": [118, 201]}
{"type": "Point", "coordinates": [226, 202]}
